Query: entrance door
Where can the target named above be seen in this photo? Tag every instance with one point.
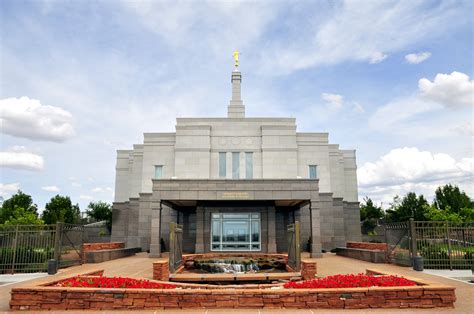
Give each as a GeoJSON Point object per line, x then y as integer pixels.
{"type": "Point", "coordinates": [235, 232]}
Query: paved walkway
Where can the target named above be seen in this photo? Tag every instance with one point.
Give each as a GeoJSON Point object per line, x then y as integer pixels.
{"type": "Point", "coordinates": [140, 266]}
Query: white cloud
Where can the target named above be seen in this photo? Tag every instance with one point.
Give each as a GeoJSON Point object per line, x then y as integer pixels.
{"type": "Point", "coordinates": [86, 197]}
{"type": "Point", "coordinates": [451, 90]}
{"type": "Point", "coordinates": [50, 188]}
{"type": "Point", "coordinates": [358, 108]}
{"type": "Point", "coordinates": [212, 26]}
{"type": "Point", "coordinates": [349, 31]}
{"type": "Point", "coordinates": [18, 157]}
{"type": "Point", "coordinates": [406, 164]}
{"type": "Point", "coordinates": [415, 58]}
{"type": "Point", "coordinates": [76, 184]}
{"type": "Point", "coordinates": [334, 101]}
{"type": "Point", "coordinates": [422, 113]}
{"type": "Point", "coordinates": [7, 190]}
{"type": "Point", "coordinates": [403, 170]}
{"type": "Point", "coordinates": [107, 190]}
{"type": "Point", "coordinates": [28, 118]}
{"type": "Point", "coordinates": [377, 57]}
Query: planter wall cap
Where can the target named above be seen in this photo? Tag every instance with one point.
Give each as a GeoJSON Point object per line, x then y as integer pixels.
{"type": "Point", "coordinates": [439, 287]}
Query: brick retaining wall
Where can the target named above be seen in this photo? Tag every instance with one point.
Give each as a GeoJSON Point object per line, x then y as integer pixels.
{"type": "Point", "coordinates": [52, 298]}
{"type": "Point", "coordinates": [426, 295]}
{"type": "Point", "coordinates": [161, 270]}
{"type": "Point", "coordinates": [367, 246]}
{"type": "Point", "coordinates": [102, 246]}
{"type": "Point", "coordinates": [308, 269]}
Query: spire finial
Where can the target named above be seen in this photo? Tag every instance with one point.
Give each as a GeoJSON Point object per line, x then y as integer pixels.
{"type": "Point", "coordinates": [236, 58]}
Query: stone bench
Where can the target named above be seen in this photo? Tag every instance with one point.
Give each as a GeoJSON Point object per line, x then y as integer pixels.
{"type": "Point", "coordinates": [100, 256]}
{"type": "Point", "coordinates": [374, 256]}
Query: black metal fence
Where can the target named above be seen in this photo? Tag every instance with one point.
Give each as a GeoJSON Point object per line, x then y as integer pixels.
{"type": "Point", "coordinates": [28, 248]}
{"type": "Point", "coordinates": [442, 244]}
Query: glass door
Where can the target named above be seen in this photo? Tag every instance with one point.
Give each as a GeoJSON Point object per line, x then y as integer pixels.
{"type": "Point", "coordinates": [235, 232]}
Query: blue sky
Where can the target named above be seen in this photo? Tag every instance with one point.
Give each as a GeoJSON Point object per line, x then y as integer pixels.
{"type": "Point", "coordinates": [80, 79]}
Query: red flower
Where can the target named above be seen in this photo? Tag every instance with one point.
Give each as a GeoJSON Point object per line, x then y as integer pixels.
{"type": "Point", "coordinates": [112, 282]}
{"type": "Point", "coordinates": [351, 281]}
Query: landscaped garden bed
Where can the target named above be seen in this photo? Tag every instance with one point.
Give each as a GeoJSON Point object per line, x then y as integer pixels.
{"type": "Point", "coordinates": [51, 296]}
{"type": "Point", "coordinates": [111, 282]}
{"type": "Point", "coordinates": [352, 281]}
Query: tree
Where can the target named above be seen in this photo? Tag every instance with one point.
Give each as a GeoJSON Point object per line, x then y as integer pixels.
{"type": "Point", "coordinates": [101, 211]}
{"type": "Point", "coordinates": [21, 216]}
{"type": "Point", "coordinates": [411, 206]}
{"type": "Point", "coordinates": [449, 197]}
{"type": "Point", "coordinates": [60, 209]}
{"type": "Point", "coordinates": [369, 215]}
{"type": "Point", "coordinates": [370, 211]}
{"type": "Point", "coordinates": [434, 214]}
{"type": "Point", "coordinates": [20, 200]}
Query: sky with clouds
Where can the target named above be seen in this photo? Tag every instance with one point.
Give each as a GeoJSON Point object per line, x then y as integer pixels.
{"type": "Point", "coordinates": [80, 79]}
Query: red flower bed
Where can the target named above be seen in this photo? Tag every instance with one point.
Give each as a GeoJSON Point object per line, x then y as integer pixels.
{"type": "Point", "coordinates": [111, 282]}
{"type": "Point", "coordinates": [351, 281]}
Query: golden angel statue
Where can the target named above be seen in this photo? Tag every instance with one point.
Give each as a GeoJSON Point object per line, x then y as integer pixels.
{"type": "Point", "coordinates": [236, 58]}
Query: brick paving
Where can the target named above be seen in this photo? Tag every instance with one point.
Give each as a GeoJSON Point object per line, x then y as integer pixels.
{"type": "Point", "coordinates": [140, 266]}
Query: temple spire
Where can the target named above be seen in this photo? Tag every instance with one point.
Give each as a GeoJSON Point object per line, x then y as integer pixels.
{"type": "Point", "coordinates": [236, 109]}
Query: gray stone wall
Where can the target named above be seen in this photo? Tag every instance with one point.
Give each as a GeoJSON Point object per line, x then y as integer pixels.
{"type": "Point", "coordinates": [352, 221]}
{"type": "Point", "coordinates": [327, 220]}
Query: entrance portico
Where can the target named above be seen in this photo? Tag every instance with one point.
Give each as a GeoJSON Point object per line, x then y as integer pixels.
{"type": "Point", "coordinates": [206, 203]}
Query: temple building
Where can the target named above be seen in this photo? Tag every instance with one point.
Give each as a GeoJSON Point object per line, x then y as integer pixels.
{"type": "Point", "coordinates": [235, 183]}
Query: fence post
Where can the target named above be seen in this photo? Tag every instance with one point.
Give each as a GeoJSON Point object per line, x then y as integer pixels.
{"type": "Point", "coordinates": [449, 245]}
{"type": "Point", "coordinates": [412, 230]}
{"type": "Point", "coordinates": [15, 244]}
{"type": "Point", "coordinates": [57, 242]}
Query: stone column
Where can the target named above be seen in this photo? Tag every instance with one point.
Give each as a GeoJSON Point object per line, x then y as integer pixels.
{"type": "Point", "coordinates": [271, 242]}
{"type": "Point", "coordinates": [199, 229]}
{"type": "Point", "coordinates": [155, 246]}
{"type": "Point", "coordinates": [315, 229]}
{"type": "Point", "coordinates": [144, 220]}
{"type": "Point", "coordinates": [132, 238]}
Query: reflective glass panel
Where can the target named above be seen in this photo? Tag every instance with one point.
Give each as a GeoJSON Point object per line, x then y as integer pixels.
{"type": "Point", "coordinates": [222, 165]}
{"type": "Point", "coordinates": [235, 165]}
{"type": "Point", "coordinates": [158, 172]}
{"type": "Point", "coordinates": [248, 165]}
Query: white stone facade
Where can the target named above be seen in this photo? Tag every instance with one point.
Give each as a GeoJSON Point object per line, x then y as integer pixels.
{"type": "Point", "coordinates": [279, 152]}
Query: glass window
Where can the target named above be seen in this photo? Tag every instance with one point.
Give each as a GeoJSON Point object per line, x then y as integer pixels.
{"type": "Point", "coordinates": [236, 232]}
{"type": "Point", "coordinates": [313, 174]}
{"type": "Point", "coordinates": [222, 165]}
{"type": "Point", "coordinates": [248, 165]}
{"type": "Point", "coordinates": [235, 165]}
{"type": "Point", "coordinates": [158, 172]}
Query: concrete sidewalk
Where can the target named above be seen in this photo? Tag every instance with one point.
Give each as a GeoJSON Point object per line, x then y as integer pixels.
{"type": "Point", "coordinates": [140, 266]}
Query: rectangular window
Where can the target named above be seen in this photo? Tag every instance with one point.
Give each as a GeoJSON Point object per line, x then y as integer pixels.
{"type": "Point", "coordinates": [236, 165]}
{"type": "Point", "coordinates": [248, 165]}
{"type": "Point", "coordinates": [222, 165]}
{"type": "Point", "coordinates": [236, 232]}
{"type": "Point", "coordinates": [158, 172]}
{"type": "Point", "coordinates": [313, 174]}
